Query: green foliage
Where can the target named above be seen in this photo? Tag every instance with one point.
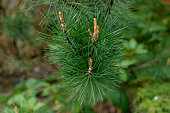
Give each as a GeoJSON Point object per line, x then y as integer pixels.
{"type": "Point", "coordinates": [153, 98]}
{"type": "Point", "coordinates": [159, 71]}
{"type": "Point", "coordinates": [37, 96]}
{"type": "Point", "coordinates": [120, 99]}
{"type": "Point", "coordinates": [133, 48]}
{"type": "Point", "coordinates": [27, 105]}
{"type": "Point", "coordinates": [53, 95]}
{"type": "Point", "coordinates": [3, 99]}
{"type": "Point", "coordinates": [17, 26]}
{"type": "Point", "coordinates": [28, 97]}
{"type": "Point", "coordinates": [17, 44]}
{"type": "Point", "coordinates": [147, 70]}
{"type": "Point", "coordinates": [149, 25]}
{"type": "Point", "coordinates": [152, 30]}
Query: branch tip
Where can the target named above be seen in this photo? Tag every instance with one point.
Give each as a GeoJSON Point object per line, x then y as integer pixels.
{"type": "Point", "coordinates": [90, 62]}
{"type": "Point", "coordinates": [16, 109]}
{"type": "Point", "coordinates": [90, 33]}
{"type": "Point", "coordinates": [62, 22]}
{"type": "Point", "coordinates": [90, 67]}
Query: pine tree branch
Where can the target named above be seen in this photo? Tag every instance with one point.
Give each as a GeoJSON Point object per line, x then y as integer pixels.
{"type": "Point", "coordinates": [109, 6]}
{"type": "Point", "coordinates": [68, 40]}
{"type": "Point", "coordinates": [94, 37]}
{"type": "Point", "coordinates": [88, 78]}
{"type": "Point", "coordinates": [151, 62]}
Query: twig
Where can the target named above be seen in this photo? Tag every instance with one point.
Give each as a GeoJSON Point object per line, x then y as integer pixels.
{"type": "Point", "coordinates": [151, 62]}
{"type": "Point", "coordinates": [94, 37]}
{"type": "Point", "coordinates": [64, 30]}
{"type": "Point", "coordinates": [109, 6]}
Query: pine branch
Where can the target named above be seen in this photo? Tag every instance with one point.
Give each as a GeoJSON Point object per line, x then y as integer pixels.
{"type": "Point", "coordinates": [109, 6]}
{"type": "Point", "coordinates": [94, 37]}
{"type": "Point", "coordinates": [90, 71]}
{"type": "Point", "coordinates": [151, 62]}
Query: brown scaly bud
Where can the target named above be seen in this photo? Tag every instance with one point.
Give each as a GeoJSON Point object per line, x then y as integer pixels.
{"type": "Point", "coordinates": [90, 67]}
{"type": "Point", "coordinates": [90, 33]}
{"type": "Point", "coordinates": [97, 31]}
{"type": "Point", "coordinates": [95, 35]}
{"type": "Point", "coordinates": [90, 63]}
{"type": "Point", "coordinates": [16, 109]}
{"type": "Point", "coordinates": [95, 27]}
{"type": "Point", "coordinates": [62, 22]}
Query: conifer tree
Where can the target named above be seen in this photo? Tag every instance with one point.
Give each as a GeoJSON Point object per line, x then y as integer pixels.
{"type": "Point", "coordinates": [85, 38]}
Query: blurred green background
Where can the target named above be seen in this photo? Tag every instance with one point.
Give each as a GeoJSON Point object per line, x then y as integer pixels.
{"type": "Point", "coordinates": [30, 82]}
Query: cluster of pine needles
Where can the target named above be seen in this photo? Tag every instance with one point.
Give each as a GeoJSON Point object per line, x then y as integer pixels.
{"type": "Point", "coordinates": [89, 64]}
